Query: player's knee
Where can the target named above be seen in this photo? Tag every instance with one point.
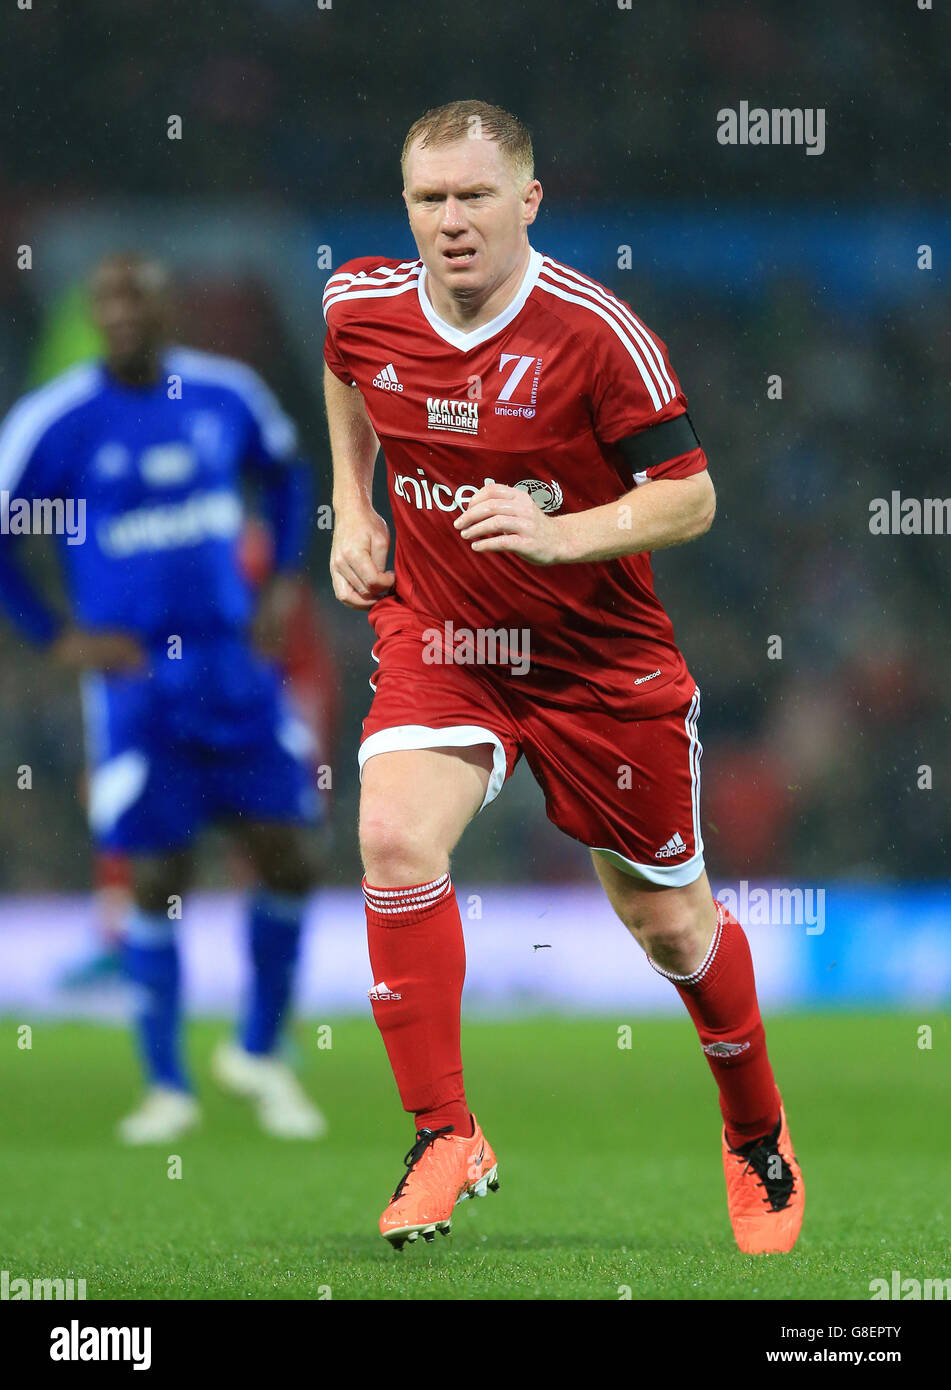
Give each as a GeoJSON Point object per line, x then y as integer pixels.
{"type": "Point", "coordinates": [395, 853]}
{"type": "Point", "coordinates": [676, 942]}
{"type": "Point", "coordinates": [150, 898]}
{"type": "Point", "coordinates": [672, 947]}
{"type": "Point", "coordinates": [159, 884]}
{"type": "Point", "coordinates": [285, 858]}
{"type": "Point", "coordinates": [288, 870]}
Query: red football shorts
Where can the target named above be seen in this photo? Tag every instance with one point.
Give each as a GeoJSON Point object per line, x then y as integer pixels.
{"type": "Point", "coordinates": [629, 789]}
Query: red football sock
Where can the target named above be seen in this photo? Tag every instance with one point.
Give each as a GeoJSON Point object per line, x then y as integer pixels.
{"type": "Point", "coordinates": [720, 997]}
{"type": "Point", "coordinates": [418, 959]}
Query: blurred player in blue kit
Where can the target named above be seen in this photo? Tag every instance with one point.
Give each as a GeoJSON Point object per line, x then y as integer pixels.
{"type": "Point", "coordinates": [186, 720]}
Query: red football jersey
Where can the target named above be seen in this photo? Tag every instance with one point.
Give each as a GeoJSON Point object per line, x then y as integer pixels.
{"type": "Point", "coordinates": [535, 398]}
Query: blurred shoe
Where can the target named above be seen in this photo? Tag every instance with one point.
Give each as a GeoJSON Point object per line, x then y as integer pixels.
{"type": "Point", "coordinates": [165, 1114]}
{"type": "Point", "coordinates": [282, 1108]}
{"type": "Point", "coordinates": [102, 968]}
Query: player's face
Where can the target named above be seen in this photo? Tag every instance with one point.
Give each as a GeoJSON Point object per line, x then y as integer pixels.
{"type": "Point", "coordinates": [128, 311]}
{"type": "Point", "coordinates": [468, 214]}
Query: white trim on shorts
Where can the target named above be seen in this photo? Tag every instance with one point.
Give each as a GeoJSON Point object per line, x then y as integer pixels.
{"type": "Point", "coordinates": [667, 875]}
{"type": "Point", "coordinates": [673, 875]}
{"type": "Point", "coordinates": [406, 736]}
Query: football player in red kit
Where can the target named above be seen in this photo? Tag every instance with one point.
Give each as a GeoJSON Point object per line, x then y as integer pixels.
{"type": "Point", "coordinates": [538, 448]}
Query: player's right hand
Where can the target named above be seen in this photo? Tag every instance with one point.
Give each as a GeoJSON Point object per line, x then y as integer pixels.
{"type": "Point", "coordinates": [361, 542]}
{"type": "Point", "coordinates": [80, 649]}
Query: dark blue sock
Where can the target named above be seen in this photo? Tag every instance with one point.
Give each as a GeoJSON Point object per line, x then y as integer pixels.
{"type": "Point", "coordinates": [275, 932]}
{"type": "Point", "coordinates": [150, 958]}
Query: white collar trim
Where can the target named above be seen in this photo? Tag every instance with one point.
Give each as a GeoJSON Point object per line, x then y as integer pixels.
{"type": "Point", "coordinates": [464, 341]}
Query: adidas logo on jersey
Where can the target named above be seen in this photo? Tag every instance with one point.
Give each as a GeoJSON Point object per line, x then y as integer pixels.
{"type": "Point", "coordinates": [383, 991]}
{"type": "Point", "coordinates": [387, 380]}
{"type": "Point", "coordinates": [673, 847]}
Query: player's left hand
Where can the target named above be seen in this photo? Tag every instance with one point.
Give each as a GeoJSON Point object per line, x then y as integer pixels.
{"type": "Point", "coordinates": [506, 519]}
{"type": "Point", "coordinates": [277, 600]}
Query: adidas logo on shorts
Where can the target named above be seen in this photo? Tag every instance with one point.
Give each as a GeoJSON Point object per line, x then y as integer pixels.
{"type": "Point", "coordinates": [673, 847]}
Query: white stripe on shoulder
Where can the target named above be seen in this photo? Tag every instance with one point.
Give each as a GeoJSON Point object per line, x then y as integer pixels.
{"type": "Point", "coordinates": [368, 282]}
{"type": "Point", "coordinates": [613, 322]}
{"type": "Point", "coordinates": [381, 273]}
{"type": "Point", "coordinates": [36, 412]}
{"type": "Point", "coordinates": [369, 294]}
{"type": "Point", "coordinates": [277, 430]}
{"type": "Point", "coordinates": [565, 275]}
{"type": "Point", "coordinates": [381, 284]}
{"type": "Point", "coordinates": [627, 313]}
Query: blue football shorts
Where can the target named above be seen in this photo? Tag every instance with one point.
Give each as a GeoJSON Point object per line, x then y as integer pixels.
{"type": "Point", "coordinates": [210, 735]}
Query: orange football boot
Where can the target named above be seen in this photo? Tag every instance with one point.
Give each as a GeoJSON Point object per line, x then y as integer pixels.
{"type": "Point", "coordinates": [765, 1195]}
{"type": "Point", "coordinates": [442, 1169]}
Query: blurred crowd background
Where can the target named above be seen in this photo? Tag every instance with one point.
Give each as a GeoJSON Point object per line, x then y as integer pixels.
{"type": "Point", "coordinates": [747, 262]}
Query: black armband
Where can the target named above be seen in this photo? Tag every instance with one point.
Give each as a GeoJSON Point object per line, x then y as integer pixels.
{"type": "Point", "coordinates": [658, 443]}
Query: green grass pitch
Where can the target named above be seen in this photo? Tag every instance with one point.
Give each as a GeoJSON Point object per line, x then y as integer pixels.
{"type": "Point", "coordinates": [609, 1162]}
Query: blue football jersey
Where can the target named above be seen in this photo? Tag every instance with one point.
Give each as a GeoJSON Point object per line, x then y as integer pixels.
{"type": "Point", "coordinates": [156, 472]}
